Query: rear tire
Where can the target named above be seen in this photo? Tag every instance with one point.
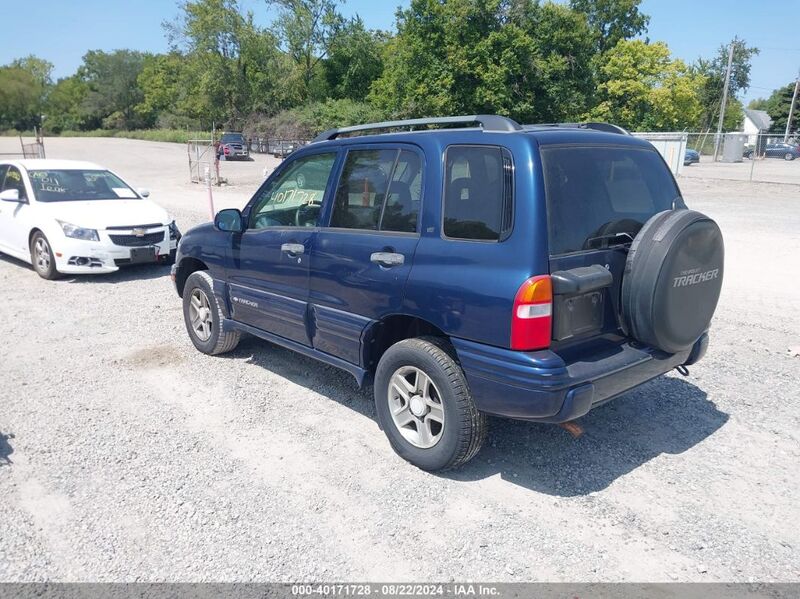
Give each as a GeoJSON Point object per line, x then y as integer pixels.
{"type": "Point", "coordinates": [42, 258]}
{"type": "Point", "coordinates": [424, 405]}
{"type": "Point", "coordinates": [788, 156]}
{"type": "Point", "coordinates": [203, 316]}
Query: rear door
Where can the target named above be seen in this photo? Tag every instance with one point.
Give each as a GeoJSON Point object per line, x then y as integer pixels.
{"type": "Point", "coordinates": [362, 259]}
{"type": "Point", "coordinates": [268, 281]}
{"type": "Point", "coordinates": [598, 197]}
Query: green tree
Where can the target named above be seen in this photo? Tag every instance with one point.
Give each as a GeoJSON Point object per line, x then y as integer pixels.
{"type": "Point", "coordinates": [355, 60]}
{"type": "Point", "coordinates": [523, 59]}
{"type": "Point", "coordinates": [777, 106]}
{"type": "Point", "coordinates": [39, 68]}
{"type": "Point", "coordinates": [231, 66]}
{"type": "Point", "coordinates": [306, 29]}
{"type": "Point", "coordinates": [714, 72]}
{"type": "Point", "coordinates": [29, 80]}
{"type": "Point", "coordinates": [113, 90]}
{"type": "Point", "coordinates": [644, 89]}
{"type": "Point", "coordinates": [65, 105]}
{"type": "Point", "coordinates": [20, 98]}
{"type": "Point", "coordinates": [612, 20]}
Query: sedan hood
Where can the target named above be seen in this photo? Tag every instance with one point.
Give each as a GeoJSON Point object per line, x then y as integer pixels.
{"type": "Point", "coordinates": [101, 214]}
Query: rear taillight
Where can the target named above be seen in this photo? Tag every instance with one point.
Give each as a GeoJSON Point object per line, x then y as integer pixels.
{"type": "Point", "coordinates": [532, 319]}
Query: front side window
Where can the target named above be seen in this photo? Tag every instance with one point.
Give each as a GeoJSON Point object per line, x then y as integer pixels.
{"type": "Point", "coordinates": [602, 195]}
{"type": "Point", "coordinates": [13, 180]}
{"type": "Point", "coordinates": [477, 193]}
{"type": "Point", "coordinates": [70, 185]}
{"type": "Point", "coordinates": [379, 190]}
{"type": "Point", "coordinates": [294, 198]}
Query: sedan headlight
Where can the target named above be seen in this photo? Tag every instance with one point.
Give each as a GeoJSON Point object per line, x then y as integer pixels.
{"type": "Point", "coordinates": [77, 232]}
{"type": "Point", "coordinates": [174, 232]}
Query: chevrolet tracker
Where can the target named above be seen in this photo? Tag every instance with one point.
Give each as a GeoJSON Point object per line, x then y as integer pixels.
{"type": "Point", "coordinates": [465, 266]}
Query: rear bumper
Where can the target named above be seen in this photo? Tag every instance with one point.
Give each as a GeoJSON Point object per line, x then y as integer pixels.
{"type": "Point", "coordinates": [541, 386]}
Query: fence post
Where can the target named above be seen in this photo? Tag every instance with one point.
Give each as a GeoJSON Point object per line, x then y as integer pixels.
{"type": "Point", "coordinates": [210, 193]}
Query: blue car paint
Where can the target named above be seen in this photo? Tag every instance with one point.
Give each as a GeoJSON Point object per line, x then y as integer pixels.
{"type": "Point", "coordinates": [327, 302]}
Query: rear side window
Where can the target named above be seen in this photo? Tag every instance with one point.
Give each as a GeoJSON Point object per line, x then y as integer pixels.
{"type": "Point", "coordinates": [379, 190]}
{"type": "Point", "coordinates": [599, 194]}
{"type": "Point", "coordinates": [477, 193]}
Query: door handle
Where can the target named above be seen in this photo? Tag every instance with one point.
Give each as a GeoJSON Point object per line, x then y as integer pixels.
{"type": "Point", "coordinates": [387, 258]}
{"type": "Point", "coordinates": [293, 248]}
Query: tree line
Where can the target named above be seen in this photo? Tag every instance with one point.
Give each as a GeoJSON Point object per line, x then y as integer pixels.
{"type": "Point", "coordinates": [311, 68]}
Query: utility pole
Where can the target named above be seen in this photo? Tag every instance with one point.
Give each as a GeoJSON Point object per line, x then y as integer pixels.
{"type": "Point", "coordinates": [791, 109]}
{"type": "Point", "coordinates": [724, 101]}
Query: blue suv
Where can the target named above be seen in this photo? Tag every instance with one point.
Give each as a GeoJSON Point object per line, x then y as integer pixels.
{"type": "Point", "coordinates": [465, 266]}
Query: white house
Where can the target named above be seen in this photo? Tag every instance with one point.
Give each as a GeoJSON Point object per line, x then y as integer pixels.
{"type": "Point", "coordinates": [755, 122]}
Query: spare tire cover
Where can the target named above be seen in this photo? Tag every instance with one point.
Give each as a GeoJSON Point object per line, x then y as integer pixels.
{"type": "Point", "coordinates": [672, 279]}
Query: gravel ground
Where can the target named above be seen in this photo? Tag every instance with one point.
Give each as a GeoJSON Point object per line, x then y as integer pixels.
{"type": "Point", "coordinates": [126, 455]}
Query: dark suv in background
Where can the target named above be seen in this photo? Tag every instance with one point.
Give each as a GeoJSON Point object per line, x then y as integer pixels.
{"type": "Point", "coordinates": [233, 146]}
{"type": "Point", "coordinates": [481, 268]}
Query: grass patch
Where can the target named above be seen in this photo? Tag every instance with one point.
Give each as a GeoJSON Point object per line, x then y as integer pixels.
{"type": "Point", "coordinates": [168, 135]}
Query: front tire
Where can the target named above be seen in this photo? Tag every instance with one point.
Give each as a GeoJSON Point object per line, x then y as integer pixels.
{"type": "Point", "coordinates": [203, 316]}
{"type": "Point", "coordinates": [42, 258]}
{"type": "Point", "coordinates": [425, 407]}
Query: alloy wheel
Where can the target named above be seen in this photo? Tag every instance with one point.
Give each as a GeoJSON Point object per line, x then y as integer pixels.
{"type": "Point", "coordinates": [416, 407]}
{"type": "Point", "coordinates": [41, 253]}
{"type": "Point", "coordinates": [200, 314]}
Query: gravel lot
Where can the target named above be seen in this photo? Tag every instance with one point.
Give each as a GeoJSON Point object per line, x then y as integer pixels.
{"type": "Point", "coordinates": [126, 455]}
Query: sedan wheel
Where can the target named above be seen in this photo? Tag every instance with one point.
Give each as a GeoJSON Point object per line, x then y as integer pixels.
{"type": "Point", "coordinates": [788, 156]}
{"type": "Point", "coordinates": [42, 259]}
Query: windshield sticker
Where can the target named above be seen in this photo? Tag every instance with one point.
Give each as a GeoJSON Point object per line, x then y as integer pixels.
{"type": "Point", "coordinates": [123, 192]}
{"type": "Point", "coordinates": [47, 182]}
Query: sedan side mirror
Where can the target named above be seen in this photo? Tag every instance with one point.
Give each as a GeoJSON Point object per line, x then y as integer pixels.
{"type": "Point", "coordinates": [10, 195]}
{"type": "Point", "coordinates": [144, 192]}
{"type": "Point", "coordinates": [229, 220]}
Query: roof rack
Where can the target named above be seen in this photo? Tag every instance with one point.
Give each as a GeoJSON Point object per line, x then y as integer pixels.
{"type": "Point", "coordinates": [489, 122]}
{"type": "Point", "coordinates": [606, 127]}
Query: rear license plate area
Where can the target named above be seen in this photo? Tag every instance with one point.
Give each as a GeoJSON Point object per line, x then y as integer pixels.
{"type": "Point", "coordinates": [578, 314]}
{"type": "Point", "coordinates": [142, 255]}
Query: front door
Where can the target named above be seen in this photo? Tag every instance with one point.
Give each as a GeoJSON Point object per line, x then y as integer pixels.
{"type": "Point", "coordinates": [14, 216]}
{"type": "Point", "coordinates": [268, 280]}
{"type": "Point", "coordinates": [361, 261]}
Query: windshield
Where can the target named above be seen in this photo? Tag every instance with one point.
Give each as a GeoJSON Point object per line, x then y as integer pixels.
{"type": "Point", "coordinates": [232, 137]}
{"type": "Point", "coordinates": [56, 185]}
{"type": "Point", "coordinates": [602, 195]}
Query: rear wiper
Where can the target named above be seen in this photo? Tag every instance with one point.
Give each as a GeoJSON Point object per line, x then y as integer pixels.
{"type": "Point", "coordinates": [608, 240]}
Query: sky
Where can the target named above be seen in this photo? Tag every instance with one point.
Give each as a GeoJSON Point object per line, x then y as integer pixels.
{"type": "Point", "coordinates": [63, 31]}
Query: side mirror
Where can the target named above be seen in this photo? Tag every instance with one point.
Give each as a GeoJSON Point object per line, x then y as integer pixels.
{"type": "Point", "coordinates": [229, 220]}
{"type": "Point", "coordinates": [144, 192]}
{"type": "Point", "coordinates": [10, 195]}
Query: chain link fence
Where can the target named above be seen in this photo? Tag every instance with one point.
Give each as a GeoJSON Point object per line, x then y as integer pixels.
{"type": "Point", "coordinates": [762, 157]}
{"type": "Point", "coordinates": [279, 148]}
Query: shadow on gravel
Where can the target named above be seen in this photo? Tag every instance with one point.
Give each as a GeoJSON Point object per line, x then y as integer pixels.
{"type": "Point", "coordinates": [138, 272]}
{"type": "Point", "coordinates": [5, 449]}
{"type": "Point", "coordinates": [667, 415]}
{"type": "Point", "coordinates": [329, 381]}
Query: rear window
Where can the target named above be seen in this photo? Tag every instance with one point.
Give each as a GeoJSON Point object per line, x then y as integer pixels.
{"type": "Point", "coordinates": [478, 193]}
{"type": "Point", "coordinates": [602, 194]}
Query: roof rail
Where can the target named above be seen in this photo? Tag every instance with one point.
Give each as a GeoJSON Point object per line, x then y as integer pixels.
{"type": "Point", "coordinates": [489, 122]}
{"type": "Point", "coordinates": [607, 127]}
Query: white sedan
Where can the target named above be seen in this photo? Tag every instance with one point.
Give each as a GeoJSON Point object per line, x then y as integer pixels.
{"type": "Point", "coordinates": [70, 217]}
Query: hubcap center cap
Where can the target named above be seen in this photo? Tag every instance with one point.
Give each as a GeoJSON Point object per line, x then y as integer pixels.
{"type": "Point", "coordinates": [417, 406]}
